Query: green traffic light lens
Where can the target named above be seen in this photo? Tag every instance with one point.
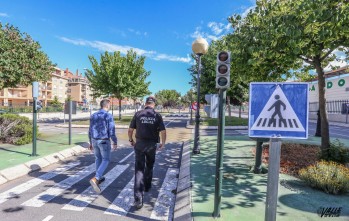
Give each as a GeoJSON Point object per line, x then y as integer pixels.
{"type": "Point", "coordinates": [222, 81]}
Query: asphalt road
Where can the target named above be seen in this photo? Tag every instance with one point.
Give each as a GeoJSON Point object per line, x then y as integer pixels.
{"type": "Point", "coordinates": [62, 191]}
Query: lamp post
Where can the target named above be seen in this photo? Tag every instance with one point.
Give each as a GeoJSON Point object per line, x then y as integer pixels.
{"type": "Point", "coordinates": [199, 47]}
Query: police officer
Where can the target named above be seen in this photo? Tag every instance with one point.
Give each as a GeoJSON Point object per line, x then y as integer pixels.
{"type": "Point", "coordinates": [148, 125]}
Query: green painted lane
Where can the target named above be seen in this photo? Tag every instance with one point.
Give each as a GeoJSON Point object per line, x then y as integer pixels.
{"type": "Point", "coordinates": [11, 155]}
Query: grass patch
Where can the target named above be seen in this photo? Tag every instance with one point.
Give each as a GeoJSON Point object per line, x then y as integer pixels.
{"type": "Point", "coordinates": [229, 121]}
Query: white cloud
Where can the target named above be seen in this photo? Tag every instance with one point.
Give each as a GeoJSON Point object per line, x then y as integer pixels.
{"type": "Point", "coordinates": [137, 32]}
{"type": "Point", "coordinates": [105, 46]}
{"type": "Point", "coordinates": [3, 14]}
{"type": "Point", "coordinates": [172, 58]}
{"type": "Point", "coordinates": [218, 28]}
{"type": "Point", "coordinates": [216, 31]}
{"type": "Point", "coordinates": [244, 14]}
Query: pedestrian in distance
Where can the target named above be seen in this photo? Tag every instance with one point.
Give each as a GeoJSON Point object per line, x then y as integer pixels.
{"type": "Point", "coordinates": [148, 124]}
{"type": "Point", "coordinates": [101, 131]}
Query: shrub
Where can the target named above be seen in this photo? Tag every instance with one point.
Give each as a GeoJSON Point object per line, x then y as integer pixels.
{"type": "Point", "coordinates": [15, 129]}
{"type": "Point", "coordinates": [336, 152]}
{"type": "Point", "coordinates": [330, 177]}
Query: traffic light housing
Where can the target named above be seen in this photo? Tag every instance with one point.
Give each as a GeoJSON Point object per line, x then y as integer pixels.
{"type": "Point", "coordinates": [38, 105]}
{"type": "Point", "coordinates": [223, 70]}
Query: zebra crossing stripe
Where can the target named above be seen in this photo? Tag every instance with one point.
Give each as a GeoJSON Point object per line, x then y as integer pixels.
{"type": "Point", "coordinates": [80, 202]}
{"type": "Point", "coordinates": [123, 202]}
{"type": "Point", "coordinates": [34, 182]}
{"type": "Point", "coordinates": [121, 161]}
{"type": "Point", "coordinates": [59, 188]}
{"type": "Point", "coordinates": [164, 204]}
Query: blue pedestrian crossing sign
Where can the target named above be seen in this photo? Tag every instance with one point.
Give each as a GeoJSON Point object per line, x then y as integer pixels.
{"type": "Point", "coordinates": [278, 110]}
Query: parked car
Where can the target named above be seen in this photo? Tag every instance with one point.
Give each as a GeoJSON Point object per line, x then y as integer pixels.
{"type": "Point", "coordinates": [85, 109]}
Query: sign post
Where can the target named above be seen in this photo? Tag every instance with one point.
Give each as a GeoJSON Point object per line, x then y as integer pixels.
{"type": "Point", "coordinates": [35, 91]}
{"type": "Point", "coordinates": [277, 110]}
{"type": "Point", "coordinates": [346, 121]}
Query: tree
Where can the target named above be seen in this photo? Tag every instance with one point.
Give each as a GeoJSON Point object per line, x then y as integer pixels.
{"type": "Point", "coordinates": [117, 75]}
{"type": "Point", "coordinates": [279, 36]}
{"type": "Point", "coordinates": [55, 102]}
{"type": "Point", "coordinates": [237, 93]}
{"type": "Point", "coordinates": [167, 98]}
{"type": "Point", "coordinates": [139, 87]}
{"type": "Point", "coordinates": [21, 59]}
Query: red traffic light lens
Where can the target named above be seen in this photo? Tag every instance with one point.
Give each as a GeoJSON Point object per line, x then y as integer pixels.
{"type": "Point", "coordinates": [223, 56]}
{"type": "Point", "coordinates": [222, 69]}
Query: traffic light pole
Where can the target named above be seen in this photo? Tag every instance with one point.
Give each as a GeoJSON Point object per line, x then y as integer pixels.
{"type": "Point", "coordinates": [70, 119]}
{"type": "Point", "coordinates": [219, 158]}
{"type": "Point", "coordinates": [34, 127]}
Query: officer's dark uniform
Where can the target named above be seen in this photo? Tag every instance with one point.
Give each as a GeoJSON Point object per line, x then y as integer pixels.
{"type": "Point", "coordinates": [148, 124]}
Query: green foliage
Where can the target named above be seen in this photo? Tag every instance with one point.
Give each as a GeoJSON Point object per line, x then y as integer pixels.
{"type": "Point", "coordinates": [280, 39]}
{"type": "Point", "coordinates": [55, 102]}
{"type": "Point", "coordinates": [15, 129]}
{"type": "Point", "coordinates": [336, 152]}
{"type": "Point", "coordinates": [118, 76]}
{"type": "Point", "coordinates": [21, 59]}
{"type": "Point", "coordinates": [238, 91]}
{"type": "Point", "coordinates": [167, 98]}
{"type": "Point", "coordinates": [329, 177]}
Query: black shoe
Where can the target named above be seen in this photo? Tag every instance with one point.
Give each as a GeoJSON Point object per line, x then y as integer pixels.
{"type": "Point", "coordinates": [101, 180]}
{"type": "Point", "coordinates": [138, 204]}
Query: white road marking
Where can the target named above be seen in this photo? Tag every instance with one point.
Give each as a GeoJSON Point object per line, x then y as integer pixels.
{"type": "Point", "coordinates": [34, 182]}
{"type": "Point", "coordinates": [121, 161]}
{"type": "Point", "coordinates": [164, 204]}
{"type": "Point", "coordinates": [59, 188]}
{"type": "Point", "coordinates": [80, 202]}
{"type": "Point", "coordinates": [48, 218]}
{"type": "Point", "coordinates": [123, 202]}
{"type": "Point", "coordinates": [169, 123]}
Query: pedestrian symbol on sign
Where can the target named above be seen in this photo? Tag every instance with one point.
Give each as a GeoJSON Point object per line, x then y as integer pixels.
{"type": "Point", "coordinates": [278, 114]}
{"type": "Point", "coordinates": [277, 105]}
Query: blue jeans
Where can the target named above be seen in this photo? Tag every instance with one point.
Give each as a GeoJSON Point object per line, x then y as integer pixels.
{"type": "Point", "coordinates": [102, 149]}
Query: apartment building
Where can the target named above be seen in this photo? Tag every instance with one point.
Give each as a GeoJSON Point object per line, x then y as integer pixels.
{"type": "Point", "coordinates": [22, 95]}
{"type": "Point", "coordinates": [19, 96]}
{"type": "Point", "coordinates": [59, 85]}
{"type": "Point", "coordinates": [78, 88]}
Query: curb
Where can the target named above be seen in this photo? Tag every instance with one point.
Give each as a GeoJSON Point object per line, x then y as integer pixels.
{"type": "Point", "coordinates": [15, 172]}
{"type": "Point", "coordinates": [87, 126]}
{"type": "Point", "coordinates": [216, 127]}
{"type": "Point", "coordinates": [182, 210]}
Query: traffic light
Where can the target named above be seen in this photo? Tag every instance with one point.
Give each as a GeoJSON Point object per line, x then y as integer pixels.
{"type": "Point", "coordinates": [223, 70]}
{"type": "Point", "coordinates": [38, 105]}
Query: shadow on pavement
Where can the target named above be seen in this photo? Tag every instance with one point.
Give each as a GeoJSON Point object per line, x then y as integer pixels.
{"type": "Point", "coordinates": [13, 151]}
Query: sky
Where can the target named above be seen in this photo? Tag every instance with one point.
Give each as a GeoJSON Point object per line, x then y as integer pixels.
{"type": "Point", "coordinates": [163, 31]}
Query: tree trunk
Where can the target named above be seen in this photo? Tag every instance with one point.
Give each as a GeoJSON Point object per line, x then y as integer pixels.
{"type": "Point", "coordinates": [325, 133]}
{"type": "Point", "coordinates": [229, 107]}
{"type": "Point", "coordinates": [119, 108]}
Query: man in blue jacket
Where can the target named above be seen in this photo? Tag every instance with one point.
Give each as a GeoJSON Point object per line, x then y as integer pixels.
{"type": "Point", "coordinates": [102, 129]}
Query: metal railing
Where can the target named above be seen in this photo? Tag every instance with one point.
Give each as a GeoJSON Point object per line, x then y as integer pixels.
{"type": "Point", "coordinates": [333, 107]}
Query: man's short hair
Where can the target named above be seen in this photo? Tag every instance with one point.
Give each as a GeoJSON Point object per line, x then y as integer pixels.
{"type": "Point", "coordinates": [104, 103]}
{"type": "Point", "coordinates": [150, 100]}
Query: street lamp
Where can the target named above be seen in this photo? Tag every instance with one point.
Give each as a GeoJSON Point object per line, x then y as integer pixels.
{"type": "Point", "coordinates": [199, 47]}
